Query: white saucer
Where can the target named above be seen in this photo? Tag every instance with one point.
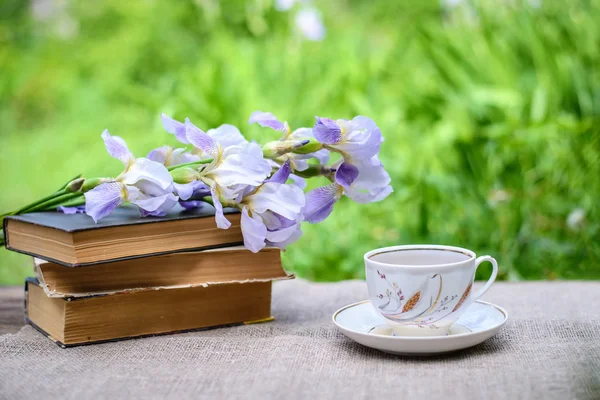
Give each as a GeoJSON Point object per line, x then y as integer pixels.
{"type": "Point", "coordinates": [361, 323]}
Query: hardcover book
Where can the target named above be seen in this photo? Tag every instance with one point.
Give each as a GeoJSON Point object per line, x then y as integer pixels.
{"type": "Point", "coordinates": [93, 319]}
{"type": "Point", "coordinates": [75, 240]}
{"type": "Point", "coordinates": [190, 269]}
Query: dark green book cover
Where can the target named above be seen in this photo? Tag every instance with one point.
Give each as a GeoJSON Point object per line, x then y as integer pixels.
{"type": "Point", "coordinates": [56, 223]}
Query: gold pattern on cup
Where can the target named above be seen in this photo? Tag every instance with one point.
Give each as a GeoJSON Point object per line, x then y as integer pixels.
{"type": "Point", "coordinates": [439, 293]}
{"type": "Point", "coordinates": [464, 297]}
{"type": "Point", "coordinates": [412, 302]}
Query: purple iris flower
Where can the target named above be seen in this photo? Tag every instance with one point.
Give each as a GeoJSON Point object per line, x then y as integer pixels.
{"type": "Point", "coordinates": [372, 184]}
{"type": "Point", "coordinates": [357, 140]}
{"type": "Point", "coordinates": [296, 180]}
{"type": "Point", "coordinates": [169, 156]}
{"type": "Point", "coordinates": [194, 190]}
{"type": "Point", "coordinates": [282, 174]}
{"type": "Point", "coordinates": [145, 183]}
{"type": "Point", "coordinates": [226, 135]}
{"type": "Point", "coordinates": [191, 195]}
{"type": "Point", "coordinates": [232, 170]}
{"type": "Point", "coordinates": [268, 120]}
{"type": "Point", "coordinates": [299, 162]}
{"type": "Point", "coordinates": [272, 212]}
{"type": "Point", "coordinates": [174, 127]}
{"type": "Point", "coordinates": [320, 201]}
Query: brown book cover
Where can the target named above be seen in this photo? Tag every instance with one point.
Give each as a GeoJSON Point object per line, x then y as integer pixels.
{"type": "Point", "coordinates": [96, 319]}
{"type": "Point", "coordinates": [178, 270]}
{"type": "Point", "coordinates": [75, 240]}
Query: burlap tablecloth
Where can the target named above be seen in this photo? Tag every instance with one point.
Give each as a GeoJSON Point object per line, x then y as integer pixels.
{"type": "Point", "coordinates": [550, 349]}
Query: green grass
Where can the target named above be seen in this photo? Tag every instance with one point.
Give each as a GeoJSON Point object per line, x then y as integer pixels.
{"type": "Point", "coordinates": [490, 113]}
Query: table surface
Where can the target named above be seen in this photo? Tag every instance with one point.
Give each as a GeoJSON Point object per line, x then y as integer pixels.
{"type": "Point", "coordinates": [549, 349]}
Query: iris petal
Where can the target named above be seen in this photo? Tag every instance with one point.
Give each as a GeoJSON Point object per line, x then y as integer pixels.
{"type": "Point", "coordinates": [222, 222]}
{"type": "Point", "coordinates": [149, 171]}
{"type": "Point", "coordinates": [71, 210]}
{"type": "Point", "coordinates": [103, 199]}
{"type": "Point", "coordinates": [284, 237]}
{"type": "Point", "coordinates": [188, 190]}
{"type": "Point", "coordinates": [298, 181]}
{"type": "Point", "coordinates": [267, 120]}
{"type": "Point", "coordinates": [192, 204]}
{"type": "Point", "coordinates": [155, 206]}
{"type": "Point", "coordinates": [241, 165]}
{"type": "Point", "coordinates": [320, 201]}
{"type": "Point", "coordinates": [201, 140]}
{"type": "Point", "coordinates": [227, 135]}
{"type": "Point", "coordinates": [285, 200]}
{"type": "Point", "coordinates": [346, 174]}
{"type": "Point", "coordinates": [254, 231]}
{"type": "Point", "coordinates": [362, 139]}
{"type": "Point", "coordinates": [327, 131]}
{"type": "Point", "coordinates": [282, 174]}
{"type": "Point", "coordinates": [175, 127]}
{"type": "Point", "coordinates": [117, 148]}
{"type": "Point", "coordinates": [160, 155]}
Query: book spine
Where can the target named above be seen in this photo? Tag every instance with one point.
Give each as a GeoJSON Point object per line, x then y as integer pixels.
{"type": "Point", "coordinates": [5, 232]}
{"type": "Point", "coordinates": [25, 300]}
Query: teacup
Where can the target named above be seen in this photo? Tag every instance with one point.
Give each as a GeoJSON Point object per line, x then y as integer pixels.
{"type": "Point", "coordinates": [423, 289]}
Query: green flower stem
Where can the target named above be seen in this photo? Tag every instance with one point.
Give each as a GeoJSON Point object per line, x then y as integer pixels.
{"type": "Point", "coordinates": [74, 202]}
{"type": "Point", "coordinates": [313, 171]}
{"type": "Point", "coordinates": [209, 200]}
{"type": "Point", "coordinates": [52, 203]}
{"type": "Point", "coordinates": [38, 202]}
{"type": "Point", "coordinates": [77, 201]}
{"type": "Point", "coordinates": [190, 164]}
{"type": "Point", "coordinates": [62, 197]}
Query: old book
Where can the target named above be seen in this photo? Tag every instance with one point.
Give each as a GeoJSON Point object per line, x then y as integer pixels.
{"type": "Point", "coordinates": [71, 322]}
{"type": "Point", "coordinates": [190, 269]}
{"type": "Point", "coordinates": [74, 240]}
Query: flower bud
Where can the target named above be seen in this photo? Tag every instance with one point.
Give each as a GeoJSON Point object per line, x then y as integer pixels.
{"type": "Point", "coordinates": [184, 175]}
{"type": "Point", "coordinates": [75, 185]}
{"type": "Point", "coordinates": [278, 148]}
{"type": "Point", "coordinates": [312, 146]}
{"type": "Point", "coordinates": [89, 184]}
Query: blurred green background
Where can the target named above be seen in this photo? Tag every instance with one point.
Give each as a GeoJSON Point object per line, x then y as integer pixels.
{"type": "Point", "coordinates": [490, 110]}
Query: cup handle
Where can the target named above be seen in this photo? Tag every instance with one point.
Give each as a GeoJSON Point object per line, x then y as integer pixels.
{"type": "Point", "coordinates": [492, 278]}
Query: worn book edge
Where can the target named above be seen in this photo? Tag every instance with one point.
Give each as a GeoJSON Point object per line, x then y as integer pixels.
{"type": "Point", "coordinates": [55, 294]}
{"type": "Point", "coordinates": [64, 346]}
{"type": "Point", "coordinates": [236, 246]}
{"type": "Point", "coordinates": [86, 264]}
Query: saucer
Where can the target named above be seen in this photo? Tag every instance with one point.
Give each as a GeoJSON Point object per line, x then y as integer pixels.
{"type": "Point", "coordinates": [361, 323]}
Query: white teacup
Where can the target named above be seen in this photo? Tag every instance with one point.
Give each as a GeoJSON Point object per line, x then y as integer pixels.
{"type": "Point", "coordinates": [423, 289]}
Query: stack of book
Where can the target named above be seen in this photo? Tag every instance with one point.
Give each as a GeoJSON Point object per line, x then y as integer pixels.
{"type": "Point", "coordinates": [129, 277]}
